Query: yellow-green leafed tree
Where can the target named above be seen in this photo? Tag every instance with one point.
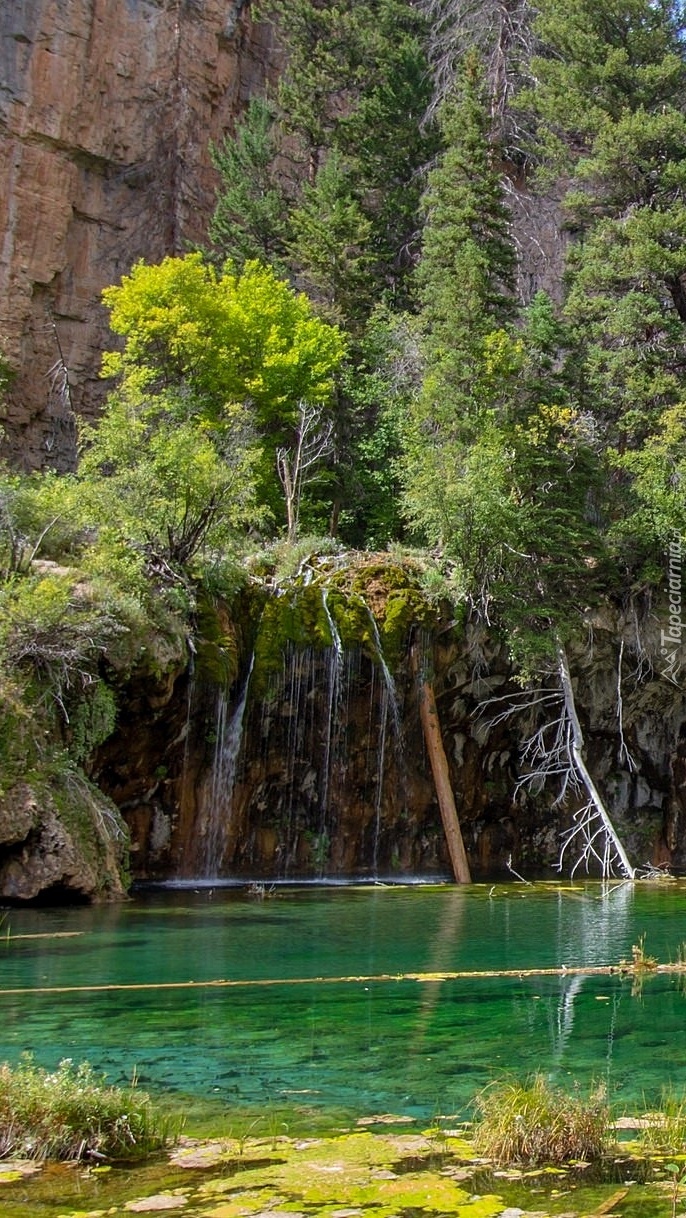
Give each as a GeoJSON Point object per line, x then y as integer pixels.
{"type": "Point", "coordinates": [208, 384]}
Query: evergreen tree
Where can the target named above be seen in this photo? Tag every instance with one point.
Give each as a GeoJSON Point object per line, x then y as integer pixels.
{"type": "Point", "coordinates": [599, 60]}
{"type": "Point", "coordinates": [500, 461]}
{"type": "Point", "coordinates": [466, 276]}
{"type": "Point", "coordinates": [356, 86]}
{"type": "Point", "coordinates": [330, 245]}
{"type": "Point", "coordinates": [319, 79]}
{"type": "Point", "coordinates": [387, 141]}
{"type": "Point", "coordinates": [349, 120]}
{"type": "Point", "coordinates": [626, 153]}
{"type": "Point", "coordinates": [250, 219]}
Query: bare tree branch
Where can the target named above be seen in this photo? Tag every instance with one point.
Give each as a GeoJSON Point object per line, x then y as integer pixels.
{"type": "Point", "coordinates": [554, 750]}
{"type": "Point", "coordinates": [501, 30]}
{"type": "Point", "coordinates": [313, 442]}
{"type": "Point", "coordinates": [594, 822]}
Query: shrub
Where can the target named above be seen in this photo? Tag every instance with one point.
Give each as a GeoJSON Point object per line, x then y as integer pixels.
{"type": "Point", "coordinates": [663, 1130]}
{"type": "Point", "coordinates": [536, 1123]}
{"type": "Point", "coordinates": [71, 1113]}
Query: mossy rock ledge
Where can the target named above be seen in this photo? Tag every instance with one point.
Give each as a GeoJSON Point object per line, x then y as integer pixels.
{"type": "Point", "coordinates": [65, 844]}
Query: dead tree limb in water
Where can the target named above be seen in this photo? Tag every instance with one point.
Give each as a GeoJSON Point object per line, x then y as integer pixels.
{"type": "Point", "coordinates": [555, 750]}
{"type": "Point", "coordinates": [439, 767]}
{"type": "Point", "coordinates": [592, 823]}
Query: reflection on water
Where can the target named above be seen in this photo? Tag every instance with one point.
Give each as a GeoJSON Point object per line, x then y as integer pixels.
{"type": "Point", "coordinates": [362, 1044]}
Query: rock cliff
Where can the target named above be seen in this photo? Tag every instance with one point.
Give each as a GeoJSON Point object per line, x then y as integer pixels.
{"type": "Point", "coordinates": [286, 742]}
{"type": "Point", "coordinates": [106, 111]}
{"type": "Point", "coordinates": [311, 761]}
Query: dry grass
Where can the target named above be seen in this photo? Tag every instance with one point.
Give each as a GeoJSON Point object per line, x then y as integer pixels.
{"type": "Point", "coordinates": [535, 1123]}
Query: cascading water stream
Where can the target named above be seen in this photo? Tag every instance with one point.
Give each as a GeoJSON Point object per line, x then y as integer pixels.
{"type": "Point", "coordinates": [381, 765]}
{"type": "Point", "coordinates": [229, 737]}
{"type": "Point", "coordinates": [388, 705]}
{"type": "Point", "coordinates": [190, 699]}
{"type": "Point", "coordinates": [298, 694]}
{"type": "Point", "coordinates": [333, 708]}
{"type": "Point", "coordinates": [389, 683]}
{"type": "Point", "coordinates": [306, 763]}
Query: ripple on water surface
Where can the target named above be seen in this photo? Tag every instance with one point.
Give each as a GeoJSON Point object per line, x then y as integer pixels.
{"type": "Point", "coordinates": [344, 1029]}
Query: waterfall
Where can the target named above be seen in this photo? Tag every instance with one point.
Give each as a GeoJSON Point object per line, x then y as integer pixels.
{"type": "Point", "coordinates": [388, 704]}
{"type": "Point", "coordinates": [389, 683]}
{"type": "Point", "coordinates": [334, 687]}
{"type": "Point", "coordinates": [381, 765]}
{"type": "Point", "coordinates": [229, 736]}
{"type": "Point", "coordinates": [298, 692]}
{"type": "Point", "coordinates": [190, 700]}
{"type": "Point", "coordinates": [310, 751]}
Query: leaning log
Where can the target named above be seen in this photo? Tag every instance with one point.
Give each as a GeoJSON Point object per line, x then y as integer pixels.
{"type": "Point", "coordinates": [439, 767]}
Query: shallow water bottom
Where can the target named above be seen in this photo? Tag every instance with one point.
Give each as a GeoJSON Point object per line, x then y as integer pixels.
{"type": "Point", "coordinates": [316, 1011]}
{"type": "Point", "coordinates": [359, 1174]}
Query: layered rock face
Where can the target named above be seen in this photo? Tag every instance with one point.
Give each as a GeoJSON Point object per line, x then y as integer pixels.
{"type": "Point", "coordinates": [107, 108]}
{"type": "Point", "coordinates": [60, 846]}
{"type": "Point", "coordinates": [323, 771]}
{"type": "Point", "coordinates": [307, 759]}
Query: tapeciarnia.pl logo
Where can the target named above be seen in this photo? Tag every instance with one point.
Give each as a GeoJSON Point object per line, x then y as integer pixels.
{"type": "Point", "coordinates": [670, 639]}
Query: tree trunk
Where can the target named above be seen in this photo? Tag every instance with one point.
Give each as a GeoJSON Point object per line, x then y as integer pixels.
{"type": "Point", "coordinates": [439, 768]}
{"type": "Point", "coordinates": [577, 744]}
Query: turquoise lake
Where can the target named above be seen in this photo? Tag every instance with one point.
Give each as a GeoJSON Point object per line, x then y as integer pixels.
{"type": "Point", "coordinates": [360, 1045]}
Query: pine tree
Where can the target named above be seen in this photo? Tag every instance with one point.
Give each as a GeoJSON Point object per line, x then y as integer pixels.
{"type": "Point", "coordinates": [356, 85]}
{"type": "Point", "coordinates": [500, 462]}
{"type": "Point", "coordinates": [319, 79]}
{"type": "Point", "coordinates": [600, 59]}
{"type": "Point", "coordinates": [626, 154]}
{"type": "Point", "coordinates": [330, 245]}
{"type": "Point", "coordinates": [466, 276]}
{"type": "Point", "coordinates": [250, 219]}
{"type": "Point", "coordinates": [387, 141]}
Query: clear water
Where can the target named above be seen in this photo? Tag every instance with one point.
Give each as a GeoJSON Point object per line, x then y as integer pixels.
{"type": "Point", "coordinates": [364, 1046]}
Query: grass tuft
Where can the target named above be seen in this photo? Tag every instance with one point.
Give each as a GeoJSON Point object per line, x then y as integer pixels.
{"type": "Point", "coordinates": [664, 1130]}
{"type": "Point", "coordinates": [71, 1113]}
{"type": "Point", "coordinates": [535, 1123]}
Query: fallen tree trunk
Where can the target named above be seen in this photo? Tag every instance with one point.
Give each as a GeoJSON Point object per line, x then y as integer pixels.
{"type": "Point", "coordinates": [595, 810]}
{"type": "Point", "coordinates": [623, 969]}
{"type": "Point", "coordinates": [439, 767]}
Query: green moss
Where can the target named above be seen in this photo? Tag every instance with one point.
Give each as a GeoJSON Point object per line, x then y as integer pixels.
{"type": "Point", "coordinates": [92, 720]}
{"type": "Point", "coordinates": [362, 599]}
{"type": "Point", "coordinates": [356, 1171]}
{"type": "Point", "coordinates": [39, 751]}
{"type": "Point", "coordinates": [392, 592]}
{"type": "Point", "coordinates": [17, 745]}
{"type": "Point", "coordinates": [295, 617]}
{"type": "Point", "coordinates": [404, 609]}
{"type": "Point", "coordinates": [351, 616]}
{"type": "Point", "coordinates": [91, 819]}
{"type": "Point", "coordinates": [217, 642]}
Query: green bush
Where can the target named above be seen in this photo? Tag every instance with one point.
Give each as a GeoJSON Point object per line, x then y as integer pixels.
{"type": "Point", "coordinates": [92, 720]}
{"type": "Point", "coordinates": [535, 1123]}
{"type": "Point", "coordinates": [70, 1113]}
